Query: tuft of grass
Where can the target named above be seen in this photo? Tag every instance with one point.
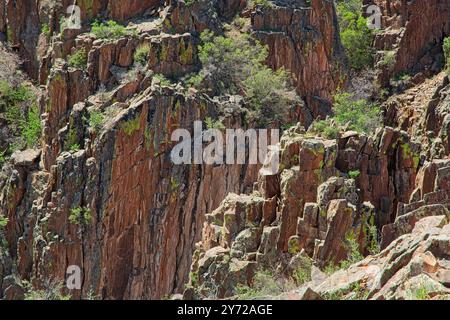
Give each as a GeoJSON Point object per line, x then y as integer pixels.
{"type": "Point", "coordinates": [45, 29]}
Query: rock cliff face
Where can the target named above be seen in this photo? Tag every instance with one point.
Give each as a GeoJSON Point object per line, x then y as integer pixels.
{"type": "Point", "coordinates": [304, 38]}
{"type": "Point", "coordinates": [314, 203]}
{"type": "Point", "coordinates": [412, 31]}
{"type": "Point", "coordinates": [101, 192]}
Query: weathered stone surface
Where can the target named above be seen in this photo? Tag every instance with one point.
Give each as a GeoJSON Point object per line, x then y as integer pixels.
{"type": "Point", "coordinates": [311, 30]}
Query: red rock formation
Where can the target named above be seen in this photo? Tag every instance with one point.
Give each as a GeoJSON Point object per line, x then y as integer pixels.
{"type": "Point", "coordinates": [414, 32]}
{"type": "Point", "coordinates": [304, 39]}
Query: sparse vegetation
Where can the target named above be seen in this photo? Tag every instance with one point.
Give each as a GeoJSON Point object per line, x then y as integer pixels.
{"type": "Point", "coordinates": [358, 115]}
{"type": "Point", "coordinates": [80, 216]}
{"type": "Point", "coordinates": [78, 59]}
{"type": "Point", "coordinates": [373, 244]}
{"type": "Point", "coordinates": [45, 29]}
{"type": "Point", "coordinates": [131, 126]}
{"type": "Point", "coordinates": [214, 124]}
{"type": "Point", "coordinates": [51, 292]}
{"type": "Point", "coordinates": [302, 274]}
{"type": "Point", "coordinates": [356, 36]}
{"type": "Point", "coordinates": [96, 119]}
{"type": "Point", "coordinates": [388, 59]}
{"type": "Point", "coordinates": [141, 54]}
{"type": "Point", "coordinates": [22, 115]}
{"type": "Point", "coordinates": [190, 2]}
{"type": "Point", "coordinates": [263, 3]}
{"type": "Point", "coordinates": [354, 174]}
{"type": "Point", "coordinates": [163, 81]}
{"type": "Point", "coordinates": [236, 66]}
{"type": "Point", "coordinates": [3, 222]}
{"type": "Point", "coordinates": [446, 48]}
{"type": "Point", "coordinates": [108, 30]}
{"type": "Point", "coordinates": [265, 283]}
{"type": "Point", "coordinates": [354, 255]}
{"type": "Point", "coordinates": [422, 292]}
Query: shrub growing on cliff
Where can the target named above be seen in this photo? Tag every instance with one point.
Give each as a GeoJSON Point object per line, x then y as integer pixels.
{"type": "Point", "coordinates": [359, 115]}
{"type": "Point", "coordinates": [3, 222]}
{"type": "Point", "coordinates": [31, 127]}
{"type": "Point", "coordinates": [80, 216]}
{"type": "Point", "coordinates": [141, 54]}
{"type": "Point", "coordinates": [78, 59]}
{"type": "Point", "coordinates": [96, 119]}
{"type": "Point", "coordinates": [264, 3]}
{"type": "Point", "coordinates": [22, 114]}
{"type": "Point", "coordinates": [108, 30]}
{"type": "Point", "coordinates": [446, 47]}
{"type": "Point", "coordinates": [351, 114]}
{"type": "Point", "coordinates": [236, 66]}
{"type": "Point", "coordinates": [356, 37]}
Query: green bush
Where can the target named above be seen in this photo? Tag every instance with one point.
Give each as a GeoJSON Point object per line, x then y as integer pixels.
{"type": "Point", "coordinates": [236, 66]}
{"type": "Point", "coordinates": [356, 36]}
{"type": "Point", "coordinates": [388, 59]}
{"type": "Point", "coordinates": [163, 81]}
{"type": "Point", "coordinates": [141, 54]}
{"type": "Point", "coordinates": [354, 174]}
{"type": "Point", "coordinates": [45, 29]}
{"type": "Point", "coordinates": [21, 113]}
{"type": "Point", "coordinates": [360, 115]}
{"type": "Point", "coordinates": [80, 216]}
{"type": "Point", "coordinates": [190, 2]}
{"type": "Point", "coordinates": [302, 274]}
{"type": "Point", "coordinates": [78, 59]}
{"type": "Point", "coordinates": [264, 3]}
{"type": "Point", "coordinates": [326, 128]}
{"type": "Point", "coordinates": [446, 47]}
{"type": "Point", "coordinates": [3, 222]}
{"type": "Point", "coordinates": [108, 30]}
{"type": "Point", "coordinates": [213, 124]}
{"type": "Point", "coordinates": [31, 127]}
{"type": "Point", "coordinates": [96, 120]}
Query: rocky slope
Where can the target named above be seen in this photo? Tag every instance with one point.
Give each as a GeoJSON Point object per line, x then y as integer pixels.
{"type": "Point", "coordinates": [147, 228]}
